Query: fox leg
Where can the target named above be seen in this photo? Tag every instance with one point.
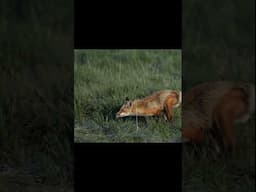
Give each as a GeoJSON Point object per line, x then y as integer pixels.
{"type": "Point", "coordinates": [228, 110]}
{"type": "Point", "coordinates": [224, 126]}
{"type": "Point", "coordinates": [168, 114]}
{"type": "Point", "coordinates": [191, 134]}
{"type": "Point", "coordinates": [168, 105]}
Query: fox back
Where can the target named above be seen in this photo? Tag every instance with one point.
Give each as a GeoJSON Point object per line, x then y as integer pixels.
{"type": "Point", "coordinates": [150, 105]}
{"type": "Point", "coordinates": [200, 101]}
{"type": "Point", "coordinates": [216, 105]}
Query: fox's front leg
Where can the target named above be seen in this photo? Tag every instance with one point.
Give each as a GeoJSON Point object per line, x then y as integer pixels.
{"type": "Point", "coordinates": [225, 126]}
{"type": "Point", "coordinates": [231, 107]}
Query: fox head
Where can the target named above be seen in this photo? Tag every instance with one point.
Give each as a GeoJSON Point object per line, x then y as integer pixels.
{"type": "Point", "coordinates": [126, 109]}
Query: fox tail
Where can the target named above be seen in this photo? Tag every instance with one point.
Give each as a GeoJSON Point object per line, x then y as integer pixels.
{"type": "Point", "coordinates": [179, 100]}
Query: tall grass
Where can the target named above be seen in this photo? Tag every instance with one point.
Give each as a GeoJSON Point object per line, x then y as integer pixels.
{"type": "Point", "coordinates": [103, 78]}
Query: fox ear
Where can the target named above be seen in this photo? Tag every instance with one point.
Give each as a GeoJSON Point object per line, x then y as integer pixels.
{"type": "Point", "coordinates": [129, 103]}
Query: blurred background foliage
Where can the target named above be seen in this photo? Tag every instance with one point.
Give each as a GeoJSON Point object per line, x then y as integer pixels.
{"type": "Point", "coordinates": [36, 103]}
{"type": "Point", "coordinates": [218, 41]}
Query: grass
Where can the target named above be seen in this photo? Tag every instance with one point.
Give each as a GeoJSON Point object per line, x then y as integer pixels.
{"type": "Point", "coordinates": [103, 78]}
{"type": "Point", "coordinates": [204, 171]}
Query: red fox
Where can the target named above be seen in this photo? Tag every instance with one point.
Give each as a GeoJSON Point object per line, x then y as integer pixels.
{"type": "Point", "coordinates": [153, 105]}
{"type": "Point", "coordinates": [216, 106]}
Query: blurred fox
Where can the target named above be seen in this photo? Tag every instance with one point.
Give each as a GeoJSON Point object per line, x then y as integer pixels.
{"type": "Point", "coordinates": [161, 102]}
{"type": "Point", "coordinates": [214, 107]}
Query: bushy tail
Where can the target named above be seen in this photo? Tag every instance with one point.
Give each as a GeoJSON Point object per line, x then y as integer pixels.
{"type": "Point", "coordinates": [179, 100]}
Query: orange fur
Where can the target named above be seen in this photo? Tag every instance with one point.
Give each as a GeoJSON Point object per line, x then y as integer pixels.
{"type": "Point", "coordinates": [153, 105]}
{"type": "Point", "coordinates": [216, 106]}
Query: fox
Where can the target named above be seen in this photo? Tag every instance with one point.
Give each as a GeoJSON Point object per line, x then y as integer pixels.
{"type": "Point", "coordinates": [215, 107]}
{"type": "Point", "coordinates": [160, 102]}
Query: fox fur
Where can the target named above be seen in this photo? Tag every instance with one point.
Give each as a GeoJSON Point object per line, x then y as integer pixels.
{"type": "Point", "coordinates": [153, 105]}
{"type": "Point", "coordinates": [216, 106]}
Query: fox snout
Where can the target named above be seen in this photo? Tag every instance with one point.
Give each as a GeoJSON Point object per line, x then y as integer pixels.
{"type": "Point", "coordinates": [124, 110]}
{"type": "Point", "coordinates": [117, 115]}
{"type": "Point", "coordinates": [120, 114]}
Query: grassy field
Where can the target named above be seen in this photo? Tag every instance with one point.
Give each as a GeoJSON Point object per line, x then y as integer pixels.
{"type": "Point", "coordinates": [103, 78]}
{"type": "Point", "coordinates": [203, 170]}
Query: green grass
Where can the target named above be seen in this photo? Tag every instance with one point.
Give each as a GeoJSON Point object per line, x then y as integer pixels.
{"type": "Point", "coordinates": [103, 78]}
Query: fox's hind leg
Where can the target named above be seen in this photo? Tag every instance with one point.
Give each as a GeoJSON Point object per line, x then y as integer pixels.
{"type": "Point", "coordinates": [231, 107]}
{"type": "Point", "coordinates": [192, 134]}
{"type": "Point", "coordinates": [168, 112]}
